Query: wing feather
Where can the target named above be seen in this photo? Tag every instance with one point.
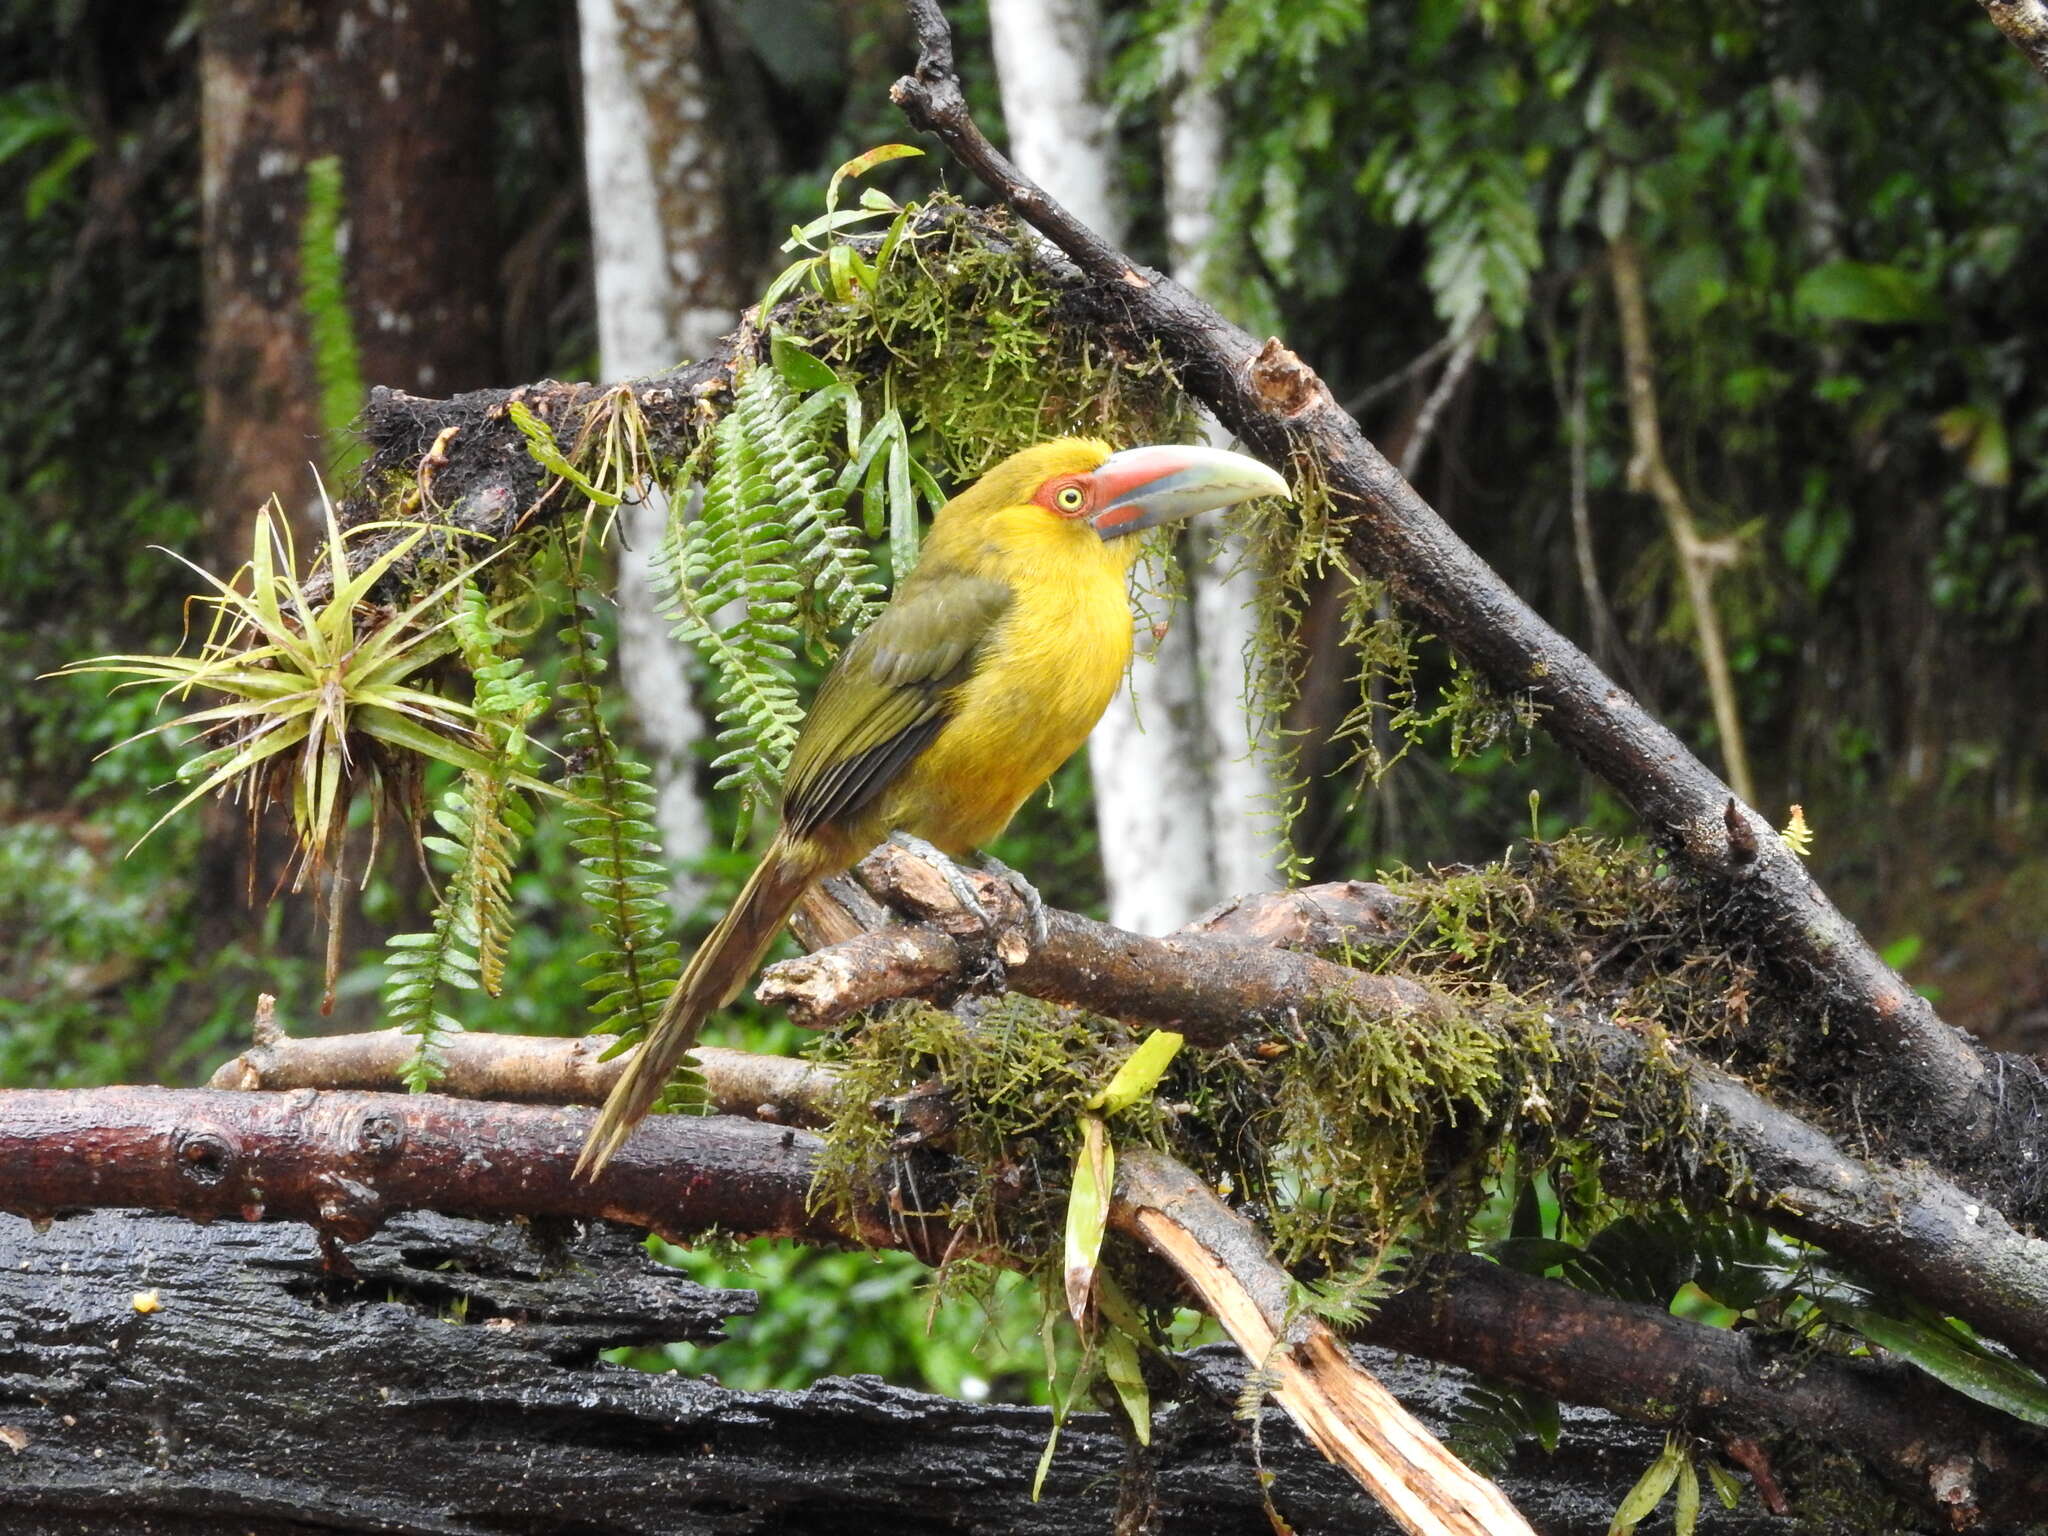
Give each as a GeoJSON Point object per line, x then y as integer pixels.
{"type": "Point", "coordinates": [889, 695]}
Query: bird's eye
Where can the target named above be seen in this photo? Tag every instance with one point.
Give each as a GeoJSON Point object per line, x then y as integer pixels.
{"type": "Point", "coordinates": [1069, 498]}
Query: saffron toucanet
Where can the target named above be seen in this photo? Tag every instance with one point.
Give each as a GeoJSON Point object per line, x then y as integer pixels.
{"type": "Point", "coordinates": [987, 670]}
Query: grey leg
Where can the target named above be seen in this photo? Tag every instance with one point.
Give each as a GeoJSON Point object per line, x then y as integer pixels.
{"type": "Point", "coordinates": [956, 881]}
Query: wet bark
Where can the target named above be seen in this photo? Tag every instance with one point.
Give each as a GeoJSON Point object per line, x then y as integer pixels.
{"type": "Point", "coordinates": [444, 1378]}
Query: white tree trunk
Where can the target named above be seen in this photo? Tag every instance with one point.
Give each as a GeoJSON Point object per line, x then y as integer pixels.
{"type": "Point", "coordinates": [1178, 791]}
{"type": "Point", "coordinates": [1151, 808]}
{"type": "Point", "coordinates": [660, 245]}
{"type": "Point", "coordinates": [1244, 797]}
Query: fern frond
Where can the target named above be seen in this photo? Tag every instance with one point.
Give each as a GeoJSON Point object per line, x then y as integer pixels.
{"type": "Point", "coordinates": [611, 824]}
{"type": "Point", "coordinates": [485, 818]}
{"type": "Point", "coordinates": [768, 562]}
{"type": "Point", "coordinates": [1491, 1416]}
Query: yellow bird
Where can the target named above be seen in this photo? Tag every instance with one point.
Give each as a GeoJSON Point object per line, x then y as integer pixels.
{"type": "Point", "coordinates": [987, 670]}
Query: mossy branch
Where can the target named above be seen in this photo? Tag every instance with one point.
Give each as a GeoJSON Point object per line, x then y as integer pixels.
{"type": "Point", "coordinates": [1699, 1130]}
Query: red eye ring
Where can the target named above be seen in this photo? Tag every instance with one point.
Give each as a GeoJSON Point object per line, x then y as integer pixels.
{"type": "Point", "coordinates": [1064, 498]}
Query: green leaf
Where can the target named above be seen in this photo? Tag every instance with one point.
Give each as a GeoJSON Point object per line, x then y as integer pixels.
{"type": "Point", "coordinates": [1140, 1072]}
{"type": "Point", "coordinates": [1685, 1508]}
{"type": "Point", "coordinates": [1638, 1503]}
{"type": "Point", "coordinates": [1120, 1364]}
{"type": "Point", "coordinates": [540, 443]}
{"type": "Point", "coordinates": [1952, 1360]}
{"type": "Point", "coordinates": [860, 165]}
{"type": "Point", "coordinates": [800, 370]}
{"type": "Point", "coordinates": [1866, 293]}
{"type": "Point", "coordinates": [1726, 1488]}
{"type": "Point", "coordinates": [1088, 1213]}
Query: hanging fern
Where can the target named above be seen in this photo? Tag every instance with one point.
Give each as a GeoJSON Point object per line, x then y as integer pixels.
{"type": "Point", "coordinates": [769, 538]}
{"type": "Point", "coordinates": [485, 819]}
{"type": "Point", "coordinates": [611, 822]}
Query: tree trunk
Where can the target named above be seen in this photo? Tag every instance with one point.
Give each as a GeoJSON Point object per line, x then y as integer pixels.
{"type": "Point", "coordinates": [445, 1377]}
{"type": "Point", "coordinates": [400, 97]}
{"type": "Point", "coordinates": [1222, 583]}
{"type": "Point", "coordinates": [1151, 757]}
{"type": "Point", "coordinates": [664, 251]}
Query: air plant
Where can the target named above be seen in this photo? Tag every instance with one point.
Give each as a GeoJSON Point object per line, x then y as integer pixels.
{"type": "Point", "coordinates": [314, 700]}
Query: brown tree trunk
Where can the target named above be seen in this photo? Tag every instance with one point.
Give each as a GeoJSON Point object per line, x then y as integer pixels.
{"type": "Point", "coordinates": [398, 94]}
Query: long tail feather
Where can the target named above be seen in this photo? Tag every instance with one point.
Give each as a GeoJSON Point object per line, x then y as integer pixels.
{"type": "Point", "coordinates": [714, 977]}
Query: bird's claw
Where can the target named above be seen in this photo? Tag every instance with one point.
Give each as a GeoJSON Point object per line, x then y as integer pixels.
{"type": "Point", "coordinates": [990, 974]}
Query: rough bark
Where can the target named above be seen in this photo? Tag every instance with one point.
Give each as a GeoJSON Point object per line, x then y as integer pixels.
{"type": "Point", "coordinates": [2025, 25]}
{"type": "Point", "coordinates": [445, 1380]}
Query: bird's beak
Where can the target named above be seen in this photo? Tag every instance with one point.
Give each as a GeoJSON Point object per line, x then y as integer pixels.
{"type": "Point", "coordinates": [1142, 488]}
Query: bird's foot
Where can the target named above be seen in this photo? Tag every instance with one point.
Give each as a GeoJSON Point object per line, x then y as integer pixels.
{"type": "Point", "coordinates": [991, 975]}
{"type": "Point", "coordinates": [1026, 892]}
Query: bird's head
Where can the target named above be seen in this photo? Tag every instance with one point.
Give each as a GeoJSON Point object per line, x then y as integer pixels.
{"type": "Point", "coordinates": [1076, 484]}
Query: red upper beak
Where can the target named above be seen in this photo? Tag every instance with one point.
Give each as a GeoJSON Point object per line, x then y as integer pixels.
{"type": "Point", "coordinates": [1142, 488]}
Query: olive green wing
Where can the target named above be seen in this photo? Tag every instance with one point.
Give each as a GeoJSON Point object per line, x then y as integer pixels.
{"type": "Point", "coordinates": [888, 696]}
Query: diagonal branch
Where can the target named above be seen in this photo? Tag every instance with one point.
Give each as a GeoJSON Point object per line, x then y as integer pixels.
{"type": "Point", "coordinates": [2025, 25]}
{"type": "Point", "coordinates": [1348, 1415]}
{"type": "Point", "coordinates": [1275, 402]}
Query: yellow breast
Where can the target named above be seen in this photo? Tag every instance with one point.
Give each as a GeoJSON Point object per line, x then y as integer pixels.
{"type": "Point", "coordinates": [1055, 661]}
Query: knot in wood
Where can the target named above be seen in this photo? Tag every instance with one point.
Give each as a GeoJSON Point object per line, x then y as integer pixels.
{"type": "Point", "coordinates": [379, 1135]}
{"type": "Point", "coordinates": [1283, 382]}
{"type": "Point", "coordinates": [1742, 844]}
{"type": "Point", "coordinates": [205, 1158]}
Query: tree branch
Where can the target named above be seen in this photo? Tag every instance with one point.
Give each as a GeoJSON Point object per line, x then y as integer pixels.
{"type": "Point", "coordinates": [345, 1161]}
{"type": "Point", "coordinates": [1939, 1088]}
{"type": "Point", "coordinates": [1732, 1386]}
{"type": "Point", "coordinates": [2025, 25]}
{"type": "Point", "coordinates": [1906, 1225]}
{"type": "Point", "coordinates": [522, 1069]}
{"type": "Point", "coordinates": [1354, 1420]}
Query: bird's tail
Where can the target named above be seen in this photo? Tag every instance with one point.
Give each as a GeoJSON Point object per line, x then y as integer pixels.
{"type": "Point", "coordinates": [713, 978]}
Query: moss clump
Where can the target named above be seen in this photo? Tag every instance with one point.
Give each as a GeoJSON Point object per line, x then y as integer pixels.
{"type": "Point", "coordinates": [1337, 1137]}
{"type": "Point", "coordinates": [961, 335]}
{"type": "Point", "coordinates": [1010, 1077]}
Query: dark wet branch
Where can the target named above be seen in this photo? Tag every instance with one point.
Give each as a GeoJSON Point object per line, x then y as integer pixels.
{"type": "Point", "coordinates": [1729, 1386]}
{"type": "Point", "coordinates": [345, 1162]}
